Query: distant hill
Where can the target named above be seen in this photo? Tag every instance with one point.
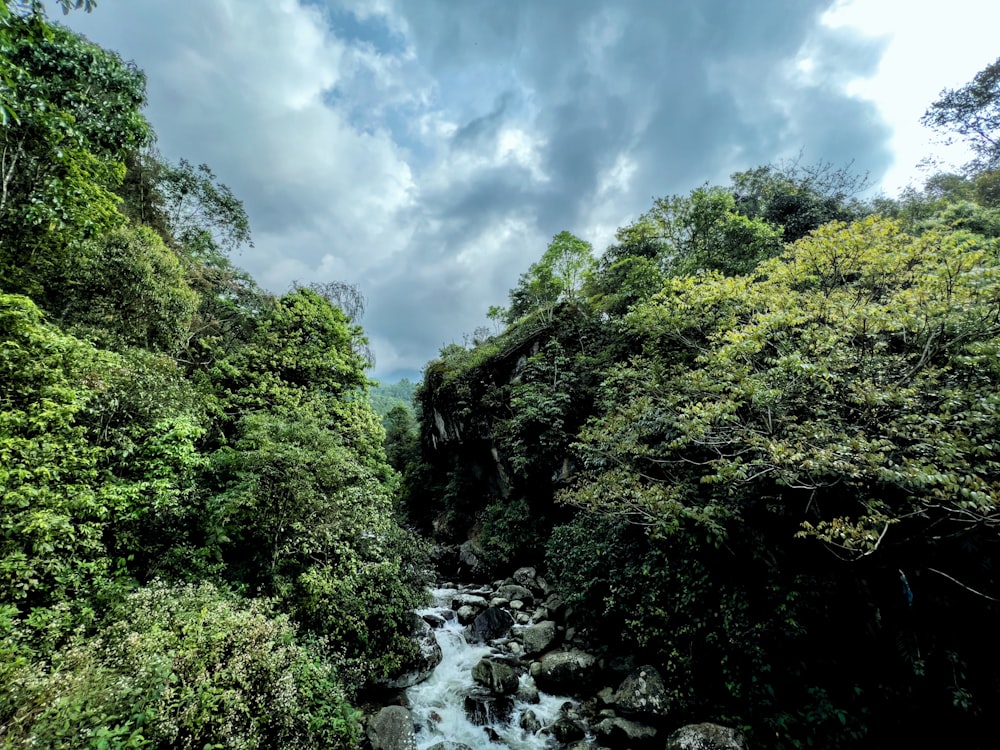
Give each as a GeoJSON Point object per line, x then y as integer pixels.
{"type": "Point", "coordinates": [386, 395]}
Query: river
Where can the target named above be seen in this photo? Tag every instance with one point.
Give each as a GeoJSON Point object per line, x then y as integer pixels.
{"type": "Point", "coordinates": [438, 703]}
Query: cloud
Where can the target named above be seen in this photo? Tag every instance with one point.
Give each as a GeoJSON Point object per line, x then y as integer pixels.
{"type": "Point", "coordinates": [429, 151]}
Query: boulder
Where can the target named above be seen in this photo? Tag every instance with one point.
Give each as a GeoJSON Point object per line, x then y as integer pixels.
{"type": "Point", "coordinates": [469, 600]}
{"type": "Point", "coordinates": [706, 737]}
{"type": "Point", "coordinates": [556, 607]}
{"type": "Point", "coordinates": [466, 614]}
{"type": "Point", "coordinates": [565, 672]}
{"type": "Point", "coordinates": [566, 730]}
{"type": "Point", "coordinates": [449, 745]}
{"type": "Point", "coordinates": [484, 709]}
{"type": "Point", "coordinates": [498, 677]}
{"type": "Point", "coordinates": [428, 656]}
{"type": "Point", "coordinates": [513, 592]}
{"type": "Point", "coordinates": [434, 620]}
{"type": "Point", "coordinates": [392, 729]}
{"type": "Point", "coordinates": [525, 577]}
{"type": "Point", "coordinates": [470, 562]}
{"type": "Point", "coordinates": [537, 638]}
{"type": "Point", "coordinates": [642, 694]}
{"type": "Point", "coordinates": [529, 722]}
{"type": "Point", "coordinates": [490, 624]}
{"type": "Point", "coordinates": [619, 732]}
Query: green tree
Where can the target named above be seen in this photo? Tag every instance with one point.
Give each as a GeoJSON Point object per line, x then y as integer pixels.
{"type": "Point", "coordinates": [76, 114]}
{"type": "Point", "coordinates": [973, 113]}
{"type": "Point", "coordinates": [557, 277]}
{"type": "Point", "coordinates": [129, 289]}
{"type": "Point", "coordinates": [401, 446]}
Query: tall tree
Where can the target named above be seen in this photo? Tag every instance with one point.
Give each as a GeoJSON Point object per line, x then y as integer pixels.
{"type": "Point", "coordinates": [972, 112]}
{"type": "Point", "coordinates": [74, 112]}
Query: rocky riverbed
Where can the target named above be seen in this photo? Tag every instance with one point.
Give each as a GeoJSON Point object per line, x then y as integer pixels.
{"type": "Point", "coordinates": [499, 666]}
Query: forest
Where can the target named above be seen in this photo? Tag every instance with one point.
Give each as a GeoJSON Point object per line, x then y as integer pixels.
{"type": "Point", "coordinates": [754, 442]}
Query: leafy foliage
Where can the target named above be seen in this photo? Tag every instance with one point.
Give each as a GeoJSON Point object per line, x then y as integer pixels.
{"type": "Point", "coordinates": [973, 112]}
{"type": "Point", "coordinates": [197, 539]}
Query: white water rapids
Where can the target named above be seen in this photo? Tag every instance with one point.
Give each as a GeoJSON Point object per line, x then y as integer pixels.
{"type": "Point", "coordinates": [438, 703]}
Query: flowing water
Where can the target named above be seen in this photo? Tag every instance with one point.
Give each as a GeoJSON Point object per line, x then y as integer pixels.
{"type": "Point", "coordinates": [438, 703]}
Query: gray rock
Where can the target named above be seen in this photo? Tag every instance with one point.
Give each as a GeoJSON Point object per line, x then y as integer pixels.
{"type": "Point", "coordinates": [556, 607]}
{"type": "Point", "coordinates": [529, 722]}
{"type": "Point", "coordinates": [513, 592]}
{"type": "Point", "coordinates": [537, 638]}
{"type": "Point", "coordinates": [525, 577]}
{"type": "Point", "coordinates": [434, 620]}
{"type": "Point", "coordinates": [486, 709]}
{"type": "Point", "coordinates": [706, 737]}
{"type": "Point", "coordinates": [470, 561]}
{"type": "Point", "coordinates": [619, 732]}
{"type": "Point", "coordinates": [466, 614]}
{"type": "Point", "coordinates": [567, 730]}
{"type": "Point", "coordinates": [392, 729]}
{"type": "Point", "coordinates": [428, 656]}
{"type": "Point", "coordinates": [499, 678]}
{"type": "Point", "coordinates": [642, 694]}
{"type": "Point", "coordinates": [490, 624]}
{"type": "Point", "coordinates": [448, 745]}
{"type": "Point", "coordinates": [565, 672]}
{"type": "Point", "coordinates": [523, 618]}
{"type": "Point", "coordinates": [469, 600]}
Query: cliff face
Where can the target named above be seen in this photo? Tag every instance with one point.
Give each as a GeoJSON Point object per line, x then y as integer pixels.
{"type": "Point", "coordinates": [497, 422]}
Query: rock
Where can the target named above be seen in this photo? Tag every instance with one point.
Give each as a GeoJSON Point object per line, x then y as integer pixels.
{"type": "Point", "coordinates": [642, 694]}
{"type": "Point", "coordinates": [514, 592]}
{"type": "Point", "coordinates": [499, 678]}
{"type": "Point", "coordinates": [567, 730]}
{"type": "Point", "coordinates": [556, 607]}
{"type": "Point", "coordinates": [606, 696]}
{"type": "Point", "coordinates": [619, 732]}
{"type": "Point", "coordinates": [537, 638]}
{"type": "Point", "coordinates": [525, 577]}
{"type": "Point", "coordinates": [467, 614]}
{"type": "Point", "coordinates": [428, 656]}
{"type": "Point", "coordinates": [470, 562]}
{"type": "Point", "coordinates": [517, 605]}
{"type": "Point", "coordinates": [529, 722]}
{"type": "Point", "coordinates": [485, 709]}
{"type": "Point", "coordinates": [498, 602]}
{"type": "Point", "coordinates": [706, 737]}
{"type": "Point", "coordinates": [565, 672]}
{"type": "Point", "coordinates": [434, 620]}
{"type": "Point", "coordinates": [523, 618]}
{"type": "Point", "coordinates": [469, 600]}
{"type": "Point", "coordinates": [514, 647]}
{"type": "Point", "coordinates": [490, 624]}
{"type": "Point", "coordinates": [392, 729]}
{"type": "Point", "coordinates": [448, 745]}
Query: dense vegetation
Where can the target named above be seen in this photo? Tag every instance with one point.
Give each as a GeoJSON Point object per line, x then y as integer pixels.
{"type": "Point", "coordinates": [756, 441]}
{"type": "Point", "coordinates": [197, 544]}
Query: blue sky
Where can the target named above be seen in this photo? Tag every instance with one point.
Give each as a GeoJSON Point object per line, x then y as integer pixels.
{"type": "Point", "coordinates": [427, 151]}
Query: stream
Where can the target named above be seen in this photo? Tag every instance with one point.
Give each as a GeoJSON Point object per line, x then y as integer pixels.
{"type": "Point", "coordinates": [438, 704]}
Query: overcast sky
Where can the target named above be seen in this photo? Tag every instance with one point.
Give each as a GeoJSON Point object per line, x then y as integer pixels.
{"type": "Point", "coordinates": [428, 150]}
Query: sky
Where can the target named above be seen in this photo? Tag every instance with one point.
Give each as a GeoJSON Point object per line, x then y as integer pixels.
{"type": "Point", "coordinates": [427, 151]}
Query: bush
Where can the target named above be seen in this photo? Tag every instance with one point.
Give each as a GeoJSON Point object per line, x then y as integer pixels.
{"type": "Point", "coordinates": [183, 667]}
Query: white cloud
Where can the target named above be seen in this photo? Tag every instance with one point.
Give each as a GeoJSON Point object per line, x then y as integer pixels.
{"type": "Point", "coordinates": [930, 46]}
